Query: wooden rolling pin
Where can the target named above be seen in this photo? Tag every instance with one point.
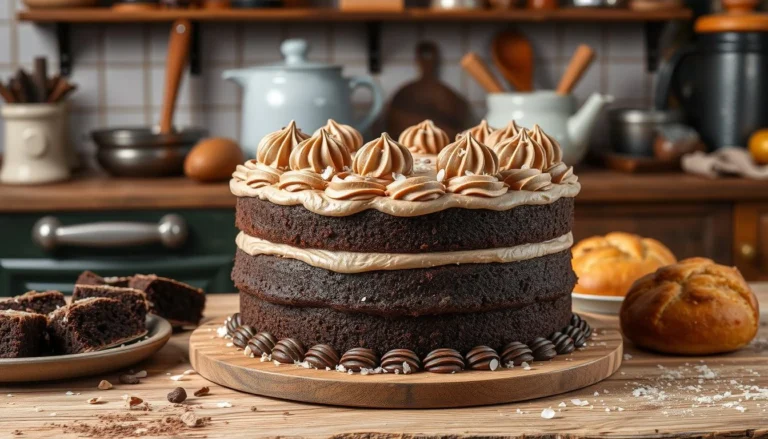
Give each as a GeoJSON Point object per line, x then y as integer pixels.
{"type": "Point", "coordinates": [580, 62]}
{"type": "Point", "coordinates": [478, 69]}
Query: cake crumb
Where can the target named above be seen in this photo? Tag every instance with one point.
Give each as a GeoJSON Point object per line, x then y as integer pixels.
{"type": "Point", "coordinates": [202, 392]}
{"type": "Point", "coordinates": [104, 385]}
{"type": "Point", "coordinates": [96, 400]}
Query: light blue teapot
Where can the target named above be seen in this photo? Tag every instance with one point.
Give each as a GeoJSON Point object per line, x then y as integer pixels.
{"type": "Point", "coordinates": [308, 92]}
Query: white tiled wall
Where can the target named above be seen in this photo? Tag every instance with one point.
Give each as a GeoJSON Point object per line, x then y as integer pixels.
{"type": "Point", "coordinates": [120, 68]}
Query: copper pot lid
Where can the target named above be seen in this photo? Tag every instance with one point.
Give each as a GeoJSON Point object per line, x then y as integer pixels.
{"type": "Point", "coordinates": [739, 16]}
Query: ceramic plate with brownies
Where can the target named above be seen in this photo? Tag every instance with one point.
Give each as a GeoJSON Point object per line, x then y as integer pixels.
{"type": "Point", "coordinates": [107, 324]}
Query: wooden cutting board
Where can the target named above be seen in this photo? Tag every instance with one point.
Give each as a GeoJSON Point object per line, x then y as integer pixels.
{"type": "Point", "coordinates": [212, 358]}
{"type": "Point", "coordinates": [428, 98]}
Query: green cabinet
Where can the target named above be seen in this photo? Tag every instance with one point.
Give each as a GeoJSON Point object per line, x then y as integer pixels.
{"type": "Point", "coordinates": [204, 259]}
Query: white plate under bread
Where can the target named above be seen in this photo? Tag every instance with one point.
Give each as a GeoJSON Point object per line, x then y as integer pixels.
{"type": "Point", "coordinates": [592, 303]}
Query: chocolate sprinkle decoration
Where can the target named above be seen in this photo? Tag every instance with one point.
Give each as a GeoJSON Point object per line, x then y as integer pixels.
{"type": "Point", "coordinates": [444, 361]}
{"type": "Point", "coordinates": [582, 324]}
{"type": "Point", "coordinates": [563, 343]}
{"type": "Point", "coordinates": [481, 357]}
{"type": "Point", "coordinates": [357, 359]}
{"type": "Point", "coordinates": [233, 322]}
{"type": "Point", "coordinates": [516, 353]}
{"type": "Point", "coordinates": [288, 350]}
{"type": "Point", "coordinates": [322, 356]}
{"type": "Point", "coordinates": [542, 349]}
{"type": "Point", "coordinates": [242, 334]}
{"type": "Point", "coordinates": [393, 361]}
{"type": "Point", "coordinates": [262, 343]}
{"type": "Point", "coordinates": [576, 334]}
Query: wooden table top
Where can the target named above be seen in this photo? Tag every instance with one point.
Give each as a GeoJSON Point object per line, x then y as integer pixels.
{"type": "Point", "coordinates": [98, 192]}
{"type": "Point", "coordinates": [650, 396]}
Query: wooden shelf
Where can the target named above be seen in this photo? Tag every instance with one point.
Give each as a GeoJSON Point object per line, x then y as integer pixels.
{"type": "Point", "coordinates": [654, 22]}
{"type": "Point", "coordinates": [106, 15]}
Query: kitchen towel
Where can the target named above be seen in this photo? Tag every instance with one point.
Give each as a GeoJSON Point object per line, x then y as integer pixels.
{"type": "Point", "coordinates": [730, 161]}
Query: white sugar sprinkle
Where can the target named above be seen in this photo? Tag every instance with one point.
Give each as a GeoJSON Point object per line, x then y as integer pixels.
{"type": "Point", "coordinates": [177, 377]}
{"type": "Point", "coordinates": [223, 405]}
{"type": "Point", "coordinates": [547, 413]}
{"type": "Point", "coordinates": [494, 364]}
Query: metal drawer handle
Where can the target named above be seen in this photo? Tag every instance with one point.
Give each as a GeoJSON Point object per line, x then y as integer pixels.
{"type": "Point", "coordinates": [49, 233]}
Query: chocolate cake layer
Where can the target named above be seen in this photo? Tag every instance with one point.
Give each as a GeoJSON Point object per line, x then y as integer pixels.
{"type": "Point", "coordinates": [374, 231]}
{"type": "Point", "coordinates": [468, 288]}
{"type": "Point", "coordinates": [422, 334]}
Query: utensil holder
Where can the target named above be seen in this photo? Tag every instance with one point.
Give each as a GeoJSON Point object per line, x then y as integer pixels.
{"type": "Point", "coordinates": [35, 144]}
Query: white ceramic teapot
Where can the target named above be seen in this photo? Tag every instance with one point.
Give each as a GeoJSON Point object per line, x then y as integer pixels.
{"type": "Point", "coordinates": [555, 114]}
{"type": "Point", "coordinates": [309, 93]}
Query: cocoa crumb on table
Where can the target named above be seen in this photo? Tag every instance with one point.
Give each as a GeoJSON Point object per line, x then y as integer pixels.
{"type": "Point", "coordinates": [113, 426]}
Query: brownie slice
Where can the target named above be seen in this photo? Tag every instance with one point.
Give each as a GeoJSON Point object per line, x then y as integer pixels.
{"type": "Point", "coordinates": [92, 324]}
{"type": "Point", "coordinates": [22, 334]}
{"type": "Point", "coordinates": [40, 302]}
{"type": "Point", "coordinates": [136, 300]}
{"type": "Point", "coordinates": [179, 303]}
{"type": "Point", "coordinates": [91, 278]}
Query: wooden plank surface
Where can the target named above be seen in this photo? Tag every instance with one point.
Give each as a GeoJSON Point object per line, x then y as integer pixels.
{"type": "Point", "coordinates": [226, 365]}
{"type": "Point", "coordinates": [105, 15]}
{"type": "Point", "coordinates": [650, 396]}
{"type": "Point", "coordinates": [97, 192]}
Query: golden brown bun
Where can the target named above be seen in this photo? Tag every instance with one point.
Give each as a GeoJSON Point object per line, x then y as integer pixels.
{"type": "Point", "coordinates": [693, 307]}
{"type": "Point", "coordinates": [608, 265]}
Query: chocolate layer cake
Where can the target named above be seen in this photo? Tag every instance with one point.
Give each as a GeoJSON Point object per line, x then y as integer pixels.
{"type": "Point", "coordinates": [179, 303]}
{"type": "Point", "coordinates": [40, 302]}
{"type": "Point", "coordinates": [92, 324]}
{"type": "Point", "coordinates": [22, 334]}
{"type": "Point", "coordinates": [376, 248]}
{"type": "Point", "coordinates": [136, 300]}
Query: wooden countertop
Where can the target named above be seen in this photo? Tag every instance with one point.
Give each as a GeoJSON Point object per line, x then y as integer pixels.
{"type": "Point", "coordinates": [102, 193]}
{"type": "Point", "coordinates": [650, 396]}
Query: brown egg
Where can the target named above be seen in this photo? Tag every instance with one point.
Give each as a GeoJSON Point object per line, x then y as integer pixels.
{"type": "Point", "coordinates": [213, 159]}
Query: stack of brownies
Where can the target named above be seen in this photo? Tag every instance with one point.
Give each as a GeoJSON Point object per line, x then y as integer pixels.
{"type": "Point", "coordinates": [103, 312]}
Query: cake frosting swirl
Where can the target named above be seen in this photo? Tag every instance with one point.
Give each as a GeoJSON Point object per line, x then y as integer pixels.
{"type": "Point", "coordinates": [487, 186]}
{"type": "Point", "coordinates": [508, 132]}
{"type": "Point", "coordinates": [346, 134]}
{"type": "Point", "coordinates": [480, 131]}
{"type": "Point", "coordinates": [420, 188]}
{"type": "Point", "coordinates": [257, 175]}
{"type": "Point", "coordinates": [424, 138]}
{"type": "Point", "coordinates": [467, 154]}
{"type": "Point", "coordinates": [354, 187]}
{"type": "Point", "coordinates": [562, 174]}
{"type": "Point", "coordinates": [320, 152]}
{"type": "Point", "coordinates": [520, 152]}
{"type": "Point", "coordinates": [526, 179]}
{"type": "Point", "coordinates": [301, 180]}
{"type": "Point", "coordinates": [382, 158]}
{"type": "Point", "coordinates": [275, 148]}
{"type": "Point", "coordinates": [550, 146]}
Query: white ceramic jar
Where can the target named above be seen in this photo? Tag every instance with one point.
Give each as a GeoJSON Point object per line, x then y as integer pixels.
{"type": "Point", "coordinates": [35, 144]}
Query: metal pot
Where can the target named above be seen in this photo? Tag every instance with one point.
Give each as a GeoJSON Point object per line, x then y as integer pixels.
{"type": "Point", "coordinates": [142, 152]}
{"type": "Point", "coordinates": [632, 131]}
{"type": "Point", "coordinates": [722, 81]}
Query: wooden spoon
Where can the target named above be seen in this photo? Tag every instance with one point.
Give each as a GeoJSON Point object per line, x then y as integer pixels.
{"type": "Point", "coordinates": [178, 49]}
{"type": "Point", "coordinates": [580, 62]}
{"type": "Point", "coordinates": [513, 56]}
{"type": "Point", "coordinates": [478, 69]}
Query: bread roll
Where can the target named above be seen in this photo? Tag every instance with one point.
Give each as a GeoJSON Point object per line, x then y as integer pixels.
{"type": "Point", "coordinates": [608, 265]}
{"type": "Point", "coordinates": [694, 307]}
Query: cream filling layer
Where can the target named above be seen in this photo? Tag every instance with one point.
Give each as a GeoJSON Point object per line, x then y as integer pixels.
{"type": "Point", "coordinates": [358, 262]}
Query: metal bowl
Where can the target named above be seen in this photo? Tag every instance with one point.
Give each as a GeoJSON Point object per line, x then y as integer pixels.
{"type": "Point", "coordinates": [142, 152]}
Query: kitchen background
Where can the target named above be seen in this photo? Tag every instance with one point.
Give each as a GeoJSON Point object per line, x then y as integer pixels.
{"type": "Point", "coordinates": [120, 72]}
{"type": "Point", "coordinates": [119, 69]}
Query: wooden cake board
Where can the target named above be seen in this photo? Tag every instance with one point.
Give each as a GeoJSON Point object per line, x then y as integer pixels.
{"type": "Point", "coordinates": [229, 367]}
